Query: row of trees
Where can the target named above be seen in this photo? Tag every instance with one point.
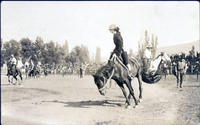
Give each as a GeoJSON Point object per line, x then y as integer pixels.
{"type": "Point", "coordinates": [148, 40]}
{"type": "Point", "coordinates": [47, 53]}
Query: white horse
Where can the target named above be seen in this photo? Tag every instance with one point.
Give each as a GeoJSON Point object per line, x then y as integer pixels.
{"type": "Point", "coordinates": [20, 65]}
{"type": "Point", "coordinates": [156, 62]}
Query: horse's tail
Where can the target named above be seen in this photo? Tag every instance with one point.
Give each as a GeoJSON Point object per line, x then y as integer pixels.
{"type": "Point", "coordinates": [146, 77]}
{"type": "Point", "coordinates": [151, 79]}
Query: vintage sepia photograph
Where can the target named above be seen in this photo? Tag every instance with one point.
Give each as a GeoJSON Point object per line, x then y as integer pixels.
{"type": "Point", "coordinates": [100, 63]}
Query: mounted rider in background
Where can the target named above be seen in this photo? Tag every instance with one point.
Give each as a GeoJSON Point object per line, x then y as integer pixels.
{"type": "Point", "coordinates": [13, 61]}
{"type": "Point", "coordinates": [119, 51]}
{"type": "Point", "coordinates": [147, 57]}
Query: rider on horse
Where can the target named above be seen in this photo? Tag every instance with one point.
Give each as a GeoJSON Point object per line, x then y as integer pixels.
{"type": "Point", "coordinates": [13, 61]}
{"type": "Point", "coordinates": [119, 51]}
{"type": "Point", "coordinates": [147, 57]}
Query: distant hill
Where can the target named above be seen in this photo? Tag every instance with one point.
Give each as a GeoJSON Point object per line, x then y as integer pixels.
{"type": "Point", "coordinates": [176, 49]}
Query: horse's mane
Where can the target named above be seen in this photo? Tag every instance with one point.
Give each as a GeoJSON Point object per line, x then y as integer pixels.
{"type": "Point", "coordinates": [105, 70]}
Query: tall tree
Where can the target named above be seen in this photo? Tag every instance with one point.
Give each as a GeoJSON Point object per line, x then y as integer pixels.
{"type": "Point", "coordinates": [146, 38]}
{"type": "Point", "coordinates": [39, 47]}
{"type": "Point", "coordinates": [66, 48]}
{"type": "Point", "coordinates": [11, 47]}
{"type": "Point", "coordinates": [26, 48]}
{"type": "Point", "coordinates": [2, 53]}
{"type": "Point", "coordinates": [154, 44]}
{"type": "Point", "coordinates": [49, 53]}
{"type": "Point", "coordinates": [131, 54]}
{"type": "Point", "coordinates": [98, 55]}
{"type": "Point", "coordinates": [79, 54]}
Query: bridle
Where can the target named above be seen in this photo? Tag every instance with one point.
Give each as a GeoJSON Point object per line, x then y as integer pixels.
{"type": "Point", "coordinates": [106, 85]}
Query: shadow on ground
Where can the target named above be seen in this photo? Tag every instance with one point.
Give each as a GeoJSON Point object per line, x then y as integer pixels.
{"type": "Point", "coordinates": [89, 103]}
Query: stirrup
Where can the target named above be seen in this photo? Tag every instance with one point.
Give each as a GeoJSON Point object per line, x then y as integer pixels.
{"type": "Point", "coordinates": [130, 76]}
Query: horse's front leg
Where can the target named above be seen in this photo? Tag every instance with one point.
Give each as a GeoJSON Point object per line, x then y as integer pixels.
{"type": "Point", "coordinates": [177, 78]}
{"type": "Point", "coordinates": [124, 93]}
{"type": "Point", "coordinates": [9, 80]}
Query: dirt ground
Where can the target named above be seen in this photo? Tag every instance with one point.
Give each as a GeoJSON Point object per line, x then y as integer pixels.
{"type": "Point", "coordinates": [57, 100]}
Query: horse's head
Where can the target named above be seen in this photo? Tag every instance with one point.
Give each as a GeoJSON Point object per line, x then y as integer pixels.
{"type": "Point", "coordinates": [100, 83]}
{"type": "Point", "coordinates": [101, 77]}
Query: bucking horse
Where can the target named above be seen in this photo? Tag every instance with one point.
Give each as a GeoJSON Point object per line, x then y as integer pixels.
{"type": "Point", "coordinates": [117, 71]}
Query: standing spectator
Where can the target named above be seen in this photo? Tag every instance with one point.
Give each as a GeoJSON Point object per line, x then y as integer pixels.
{"type": "Point", "coordinates": [81, 71]}
{"type": "Point", "coordinates": [180, 72]}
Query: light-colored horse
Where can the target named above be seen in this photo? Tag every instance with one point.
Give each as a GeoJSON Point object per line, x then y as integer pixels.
{"type": "Point", "coordinates": [20, 65]}
{"type": "Point", "coordinates": [157, 61]}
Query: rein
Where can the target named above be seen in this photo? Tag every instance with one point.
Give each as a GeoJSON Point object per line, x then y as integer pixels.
{"type": "Point", "coordinates": [106, 85]}
{"type": "Point", "coordinates": [117, 58]}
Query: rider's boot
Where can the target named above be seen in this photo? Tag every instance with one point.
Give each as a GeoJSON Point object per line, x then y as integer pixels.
{"type": "Point", "coordinates": [129, 71]}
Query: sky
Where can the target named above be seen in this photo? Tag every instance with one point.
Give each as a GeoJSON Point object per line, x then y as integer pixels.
{"type": "Point", "coordinates": [87, 22]}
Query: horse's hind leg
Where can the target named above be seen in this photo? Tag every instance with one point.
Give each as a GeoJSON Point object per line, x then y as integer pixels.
{"type": "Point", "coordinates": [20, 75]}
{"type": "Point", "coordinates": [124, 93]}
{"type": "Point", "coordinates": [12, 81]}
{"type": "Point", "coordinates": [15, 77]}
{"type": "Point", "coordinates": [140, 87]}
{"type": "Point", "coordinates": [132, 92]}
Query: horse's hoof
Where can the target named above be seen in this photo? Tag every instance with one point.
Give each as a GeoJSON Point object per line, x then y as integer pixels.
{"type": "Point", "coordinates": [128, 107]}
{"type": "Point", "coordinates": [126, 103]}
{"type": "Point", "coordinates": [134, 106]}
{"type": "Point", "coordinates": [140, 100]}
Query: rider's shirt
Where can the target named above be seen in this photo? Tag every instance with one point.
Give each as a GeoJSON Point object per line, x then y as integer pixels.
{"type": "Point", "coordinates": [118, 41]}
{"type": "Point", "coordinates": [14, 61]}
{"type": "Point", "coordinates": [181, 65]}
{"type": "Point", "coordinates": [19, 64]}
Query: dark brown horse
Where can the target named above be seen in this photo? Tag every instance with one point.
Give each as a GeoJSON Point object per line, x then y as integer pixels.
{"type": "Point", "coordinates": [117, 71]}
{"type": "Point", "coordinates": [13, 71]}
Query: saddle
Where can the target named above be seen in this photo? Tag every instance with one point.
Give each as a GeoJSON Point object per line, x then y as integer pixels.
{"type": "Point", "coordinates": [121, 61]}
